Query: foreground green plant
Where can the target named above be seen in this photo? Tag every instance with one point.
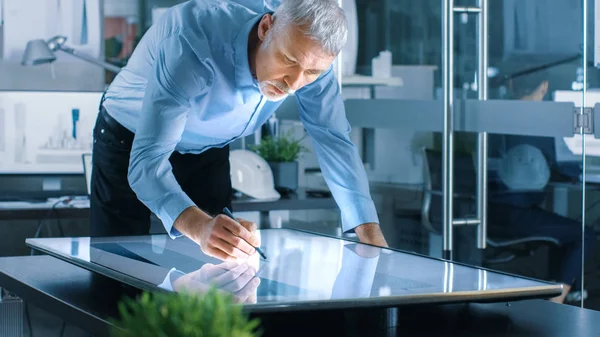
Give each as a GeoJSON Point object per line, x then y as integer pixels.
{"type": "Point", "coordinates": [212, 314]}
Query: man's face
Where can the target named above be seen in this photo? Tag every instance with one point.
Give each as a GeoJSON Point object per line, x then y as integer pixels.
{"type": "Point", "coordinates": [287, 61]}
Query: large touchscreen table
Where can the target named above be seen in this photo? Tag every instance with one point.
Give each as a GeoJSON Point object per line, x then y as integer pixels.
{"type": "Point", "coordinates": [303, 270]}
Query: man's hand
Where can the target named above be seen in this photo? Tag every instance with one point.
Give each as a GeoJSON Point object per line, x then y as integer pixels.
{"type": "Point", "coordinates": [238, 279]}
{"type": "Point", "coordinates": [370, 233]}
{"type": "Point", "coordinates": [219, 237]}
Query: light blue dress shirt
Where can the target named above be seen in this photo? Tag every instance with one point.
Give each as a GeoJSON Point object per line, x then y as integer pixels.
{"type": "Point", "coordinates": [188, 87]}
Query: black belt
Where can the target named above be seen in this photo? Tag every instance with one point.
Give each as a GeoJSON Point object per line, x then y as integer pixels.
{"type": "Point", "coordinates": [125, 136]}
{"type": "Point", "coordinates": [111, 122]}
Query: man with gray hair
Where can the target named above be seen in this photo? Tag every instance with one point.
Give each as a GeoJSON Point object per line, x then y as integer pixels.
{"type": "Point", "coordinates": [207, 73]}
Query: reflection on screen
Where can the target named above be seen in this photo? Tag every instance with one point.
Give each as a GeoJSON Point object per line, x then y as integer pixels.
{"type": "Point", "coordinates": [301, 267]}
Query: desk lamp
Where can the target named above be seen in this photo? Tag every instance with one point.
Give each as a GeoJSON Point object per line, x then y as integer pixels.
{"type": "Point", "coordinates": [39, 52]}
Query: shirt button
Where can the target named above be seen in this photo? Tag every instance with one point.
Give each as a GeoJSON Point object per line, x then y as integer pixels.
{"type": "Point", "coordinates": [122, 142]}
{"type": "Point", "coordinates": [101, 130]}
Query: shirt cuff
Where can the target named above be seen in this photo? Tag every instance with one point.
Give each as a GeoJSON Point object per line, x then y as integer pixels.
{"type": "Point", "coordinates": [167, 284]}
{"type": "Point", "coordinates": [172, 207]}
{"type": "Point", "coordinates": [358, 214]}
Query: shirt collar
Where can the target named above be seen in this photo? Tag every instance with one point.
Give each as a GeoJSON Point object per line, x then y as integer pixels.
{"type": "Point", "coordinates": [243, 76]}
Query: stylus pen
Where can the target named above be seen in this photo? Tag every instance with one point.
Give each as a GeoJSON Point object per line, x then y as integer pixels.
{"type": "Point", "coordinates": [229, 214]}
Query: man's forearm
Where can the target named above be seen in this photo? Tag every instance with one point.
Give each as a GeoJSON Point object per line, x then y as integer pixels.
{"type": "Point", "coordinates": [189, 220]}
{"type": "Point", "coordinates": [371, 233]}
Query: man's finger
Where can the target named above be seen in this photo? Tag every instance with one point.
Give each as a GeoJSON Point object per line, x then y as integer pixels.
{"type": "Point", "coordinates": [230, 249]}
{"type": "Point", "coordinates": [235, 241]}
{"type": "Point", "coordinates": [252, 227]}
{"type": "Point", "coordinates": [211, 271]}
{"type": "Point", "coordinates": [240, 281]}
{"type": "Point", "coordinates": [251, 300]}
{"type": "Point", "coordinates": [248, 290]}
{"type": "Point", "coordinates": [249, 225]}
{"type": "Point", "coordinates": [231, 275]}
{"type": "Point", "coordinates": [241, 231]}
{"type": "Point", "coordinates": [215, 252]}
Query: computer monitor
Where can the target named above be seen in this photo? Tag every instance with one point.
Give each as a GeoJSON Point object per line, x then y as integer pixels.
{"type": "Point", "coordinates": [86, 159]}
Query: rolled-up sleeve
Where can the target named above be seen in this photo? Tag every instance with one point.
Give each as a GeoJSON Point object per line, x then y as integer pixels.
{"type": "Point", "coordinates": [323, 115]}
{"type": "Point", "coordinates": [179, 76]}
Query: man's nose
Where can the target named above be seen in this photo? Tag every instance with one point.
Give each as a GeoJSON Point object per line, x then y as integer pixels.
{"type": "Point", "coordinates": [294, 80]}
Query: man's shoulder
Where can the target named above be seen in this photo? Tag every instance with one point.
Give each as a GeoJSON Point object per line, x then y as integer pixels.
{"type": "Point", "coordinates": [201, 11]}
{"type": "Point", "coordinates": [256, 6]}
{"type": "Point", "coordinates": [218, 19]}
{"type": "Point", "coordinates": [228, 7]}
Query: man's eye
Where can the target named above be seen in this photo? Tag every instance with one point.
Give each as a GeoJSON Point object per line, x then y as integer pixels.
{"type": "Point", "coordinates": [287, 60]}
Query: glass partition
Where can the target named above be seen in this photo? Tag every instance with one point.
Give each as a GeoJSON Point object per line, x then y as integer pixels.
{"type": "Point", "coordinates": [399, 49]}
{"type": "Point", "coordinates": [537, 73]}
{"type": "Point", "coordinates": [493, 174]}
{"type": "Point", "coordinates": [587, 81]}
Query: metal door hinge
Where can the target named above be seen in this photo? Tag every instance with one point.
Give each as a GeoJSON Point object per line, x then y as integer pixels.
{"type": "Point", "coordinates": [583, 122]}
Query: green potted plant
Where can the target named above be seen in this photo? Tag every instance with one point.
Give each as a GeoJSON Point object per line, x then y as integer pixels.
{"type": "Point", "coordinates": [211, 314]}
{"type": "Point", "coordinates": [282, 153]}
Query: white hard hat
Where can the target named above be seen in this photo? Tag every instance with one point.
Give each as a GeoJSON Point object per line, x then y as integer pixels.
{"type": "Point", "coordinates": [251, 175]}
{"type": "Point", "coordinates": [524, 167]}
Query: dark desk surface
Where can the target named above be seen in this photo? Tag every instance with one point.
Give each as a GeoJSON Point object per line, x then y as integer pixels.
{"type": "Point", "coordinates": [87, 300]}
{"type": "Point", "coordinates": [300, 200]}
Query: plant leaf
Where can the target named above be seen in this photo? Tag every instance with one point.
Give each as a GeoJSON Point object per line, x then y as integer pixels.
{"type": "Point", "coordinates": [281, 149]}
{"type": "Point", "coordinates": [212, 314]}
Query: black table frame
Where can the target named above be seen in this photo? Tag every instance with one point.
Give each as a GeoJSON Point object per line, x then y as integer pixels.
{"type": "Point", "coordinates": [89, 300]}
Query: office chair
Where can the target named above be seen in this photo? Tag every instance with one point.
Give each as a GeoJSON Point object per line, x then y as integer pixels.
{"type": "Point", "coordinates": [500, 249]}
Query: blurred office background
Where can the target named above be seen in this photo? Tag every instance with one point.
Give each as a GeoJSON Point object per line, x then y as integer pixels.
{"type": "Point", "coordinates": [535, 52]}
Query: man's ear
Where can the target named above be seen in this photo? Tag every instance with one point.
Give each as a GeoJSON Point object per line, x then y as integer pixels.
{"type": "Point", "coordinates": [265, 24]}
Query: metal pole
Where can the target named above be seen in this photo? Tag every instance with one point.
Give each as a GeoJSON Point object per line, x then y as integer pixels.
{"type": "Point", "coordinates": [467, 9]}
{"type": "Point", "coordinates": [105, 65]}
{"type": "Point", "coordinates": [482, 141]}
{"type": "Point", "coordinates": [448, 146]}
{"type": "Point", "coordinates": [465, 222]}
{"type": "Point", "coordinates": [583, 105]}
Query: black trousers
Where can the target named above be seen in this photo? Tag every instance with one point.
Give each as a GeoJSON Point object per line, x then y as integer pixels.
{"type": "Point", "coordinates": [115, 208]}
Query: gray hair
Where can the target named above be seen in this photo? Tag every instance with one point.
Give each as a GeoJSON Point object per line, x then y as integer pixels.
{"type": "Point", "coordinates": [321, 20]}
